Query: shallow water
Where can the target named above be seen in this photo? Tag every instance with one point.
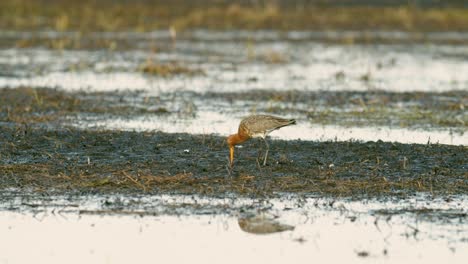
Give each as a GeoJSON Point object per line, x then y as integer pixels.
{"type": "Point", "coordinates": [148, 228]}
{"type": "Point", "coordinates": [241, 66]}
{"type": "Point", "coordinates": [417, 229]}
{"type": "Point", "coordinates": [224, 124]}
{"type": "Point", "coordinates": [241, 61]}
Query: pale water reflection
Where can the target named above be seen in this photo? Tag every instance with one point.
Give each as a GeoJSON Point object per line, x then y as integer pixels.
{"type": "Point", "coordinates": [237, 66]}
{"type": "Point", "coordinates": [225, 124]}
{"type": "Point", "coordinates": [420, 229]}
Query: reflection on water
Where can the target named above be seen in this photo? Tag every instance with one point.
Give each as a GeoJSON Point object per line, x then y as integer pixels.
{"type": "Point", "coordinates": [261, 224]}
{"type": "Point", "coordinates": [258, 35]}
{"type": "Point", "coordinates": [239, 66]}
{"type": "Point", "coordinates": [194, 229]}
{"type": "Point", "coordinates": [225, 124]}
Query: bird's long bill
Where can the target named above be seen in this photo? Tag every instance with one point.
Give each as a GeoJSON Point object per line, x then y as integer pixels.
{"type": "Point", "coordinates": [231, 154]}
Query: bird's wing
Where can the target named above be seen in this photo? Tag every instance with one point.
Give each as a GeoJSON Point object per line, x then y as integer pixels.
{"type": "Point", "coordinates": [258, 124]}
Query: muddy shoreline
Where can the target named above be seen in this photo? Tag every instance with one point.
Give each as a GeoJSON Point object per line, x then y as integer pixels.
{"type": "Point", "coordinates": [428, 110]}
{"type": "Point", "coordinates": [41, 151]}
{"type": "Point", "coordinates": [76, 161]}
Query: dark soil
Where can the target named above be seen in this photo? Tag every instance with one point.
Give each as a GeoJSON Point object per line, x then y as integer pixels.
{"type": "Point", "coordinates": [40, 152]}
{"type": "Point", "coordinates": [72, 160]}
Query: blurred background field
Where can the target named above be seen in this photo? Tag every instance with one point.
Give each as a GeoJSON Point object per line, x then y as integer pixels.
{"type": "Point", "coordinates": [146, 15]}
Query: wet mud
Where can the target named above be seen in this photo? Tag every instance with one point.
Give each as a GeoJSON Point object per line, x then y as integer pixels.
{"type": "Point", "coordinates": [77, 161]}
{"type": "Point", "coordinates": [40, 150]}
{"type": "Point", "coordinates": [374, 107]}
{"type": "Point", "coordinates": [428, 110]}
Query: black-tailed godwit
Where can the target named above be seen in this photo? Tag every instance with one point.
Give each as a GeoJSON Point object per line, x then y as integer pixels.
{"type": "Point", "coordinates": [256, 126]}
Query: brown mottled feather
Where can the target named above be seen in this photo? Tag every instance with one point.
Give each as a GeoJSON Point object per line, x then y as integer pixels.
{"type": "Point", "coordinates": [261, 125]}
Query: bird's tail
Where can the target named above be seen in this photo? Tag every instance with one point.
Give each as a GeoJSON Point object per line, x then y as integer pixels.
{"type": "Point", "coordinates": [287, 122]}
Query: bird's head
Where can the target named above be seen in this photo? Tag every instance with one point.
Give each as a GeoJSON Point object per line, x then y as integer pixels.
{"type": "Point", "coordinates": [231, 140]}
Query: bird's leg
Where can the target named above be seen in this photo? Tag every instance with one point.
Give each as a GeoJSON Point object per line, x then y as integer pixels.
{"type": "Point", "coordinates": [231, 156]}
{"type": "Point", "coordinates": [229, 168]}
{"type": "Point", "coordinates": [266, 152]}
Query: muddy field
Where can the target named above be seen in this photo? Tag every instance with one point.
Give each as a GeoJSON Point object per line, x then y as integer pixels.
{"type": "Point", "coordinates": [86, 161]}
{"type": "Point", "coordinates": [41, 151]}
{"type": "Point", "coordinates": [114, 117]}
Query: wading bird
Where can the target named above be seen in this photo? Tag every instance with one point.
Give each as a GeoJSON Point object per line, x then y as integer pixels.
{"type": "Point", "coordinates": [256, 126]}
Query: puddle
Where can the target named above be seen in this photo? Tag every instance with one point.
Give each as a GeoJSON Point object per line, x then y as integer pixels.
{"type": "Point", "coordinates": [224, 125]}
{"type": "Point", "coordinates": [239, 62]}
{"type": "Point", "coordinates": [238, 66]}
{"type": "Point", "coordinates": [244, 35]}
{"type": "Point", "coordinates": [120, 229]}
